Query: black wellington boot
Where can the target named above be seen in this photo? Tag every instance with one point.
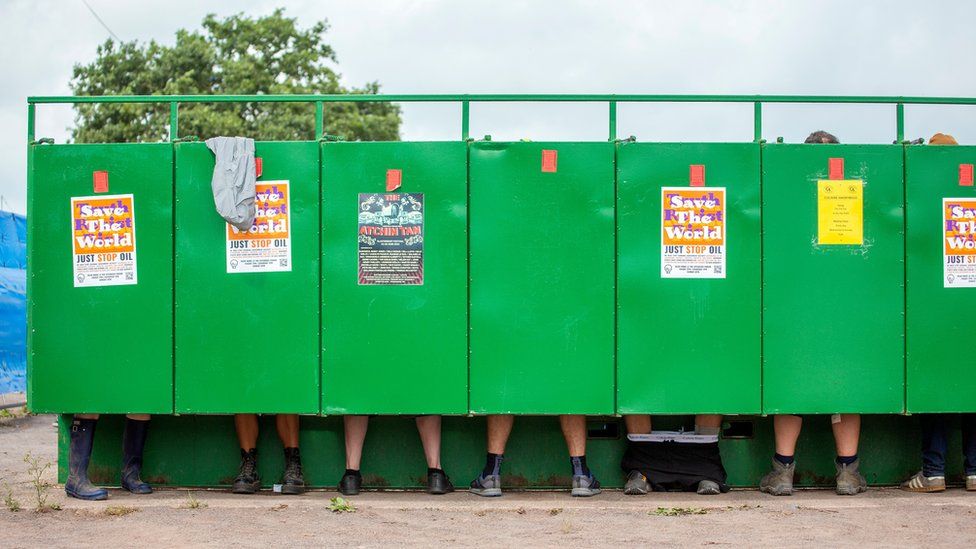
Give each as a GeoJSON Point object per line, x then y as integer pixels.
{"type": "Point", "coordinates": [293, 482]}
{"type": "Point", "coordinates": [133, 441]}
{"type": "Point", "coordinates": [79, 453]}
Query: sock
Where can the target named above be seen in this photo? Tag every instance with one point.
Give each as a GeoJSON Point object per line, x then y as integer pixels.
{"type": "Point", "coordinates": [353, 472]}
{"type": "Point", "coordinates": [846, 460]}
{"type": "Point", "coordinates": [432, 470]}
{"type": "Point", "coordinates": [493, 465]}
{"type": "Point", "coordinates": [785, 460]}
{"type": "Point", "coordinates": [579, 466]}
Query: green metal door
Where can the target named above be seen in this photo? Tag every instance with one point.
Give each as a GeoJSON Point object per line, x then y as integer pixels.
{"type": "Point", "coordinates": [941, 278]}
{"type": "Point", "coordinates": [542, 278]}
{"type": "Point", "coordinates": [247, 324]}
{"type": "Point", "coordinates": [100, 291]}
{"type": "Point", "coordinates": [394, 278]}
{"type": "Point", "coordinates": [833, 317]}
{"type": "Point", "coordinates": [688, 326]}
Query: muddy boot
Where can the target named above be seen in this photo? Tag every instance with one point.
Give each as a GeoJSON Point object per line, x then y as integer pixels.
{"type": "Point", "coordinates": [849, 479]}
{"type": "Point", "coordinates": [636, 484]}
{"type": "Point", "coordinates": [708, 488]}
{"type": "Point", "coordinates": [79, 453]}
{"type": "Point", "coordinates": [292, 481]}
{"type": "Point", "coordinates": [133, 441]}
{"type": "Point", "coordinates": [248, 481]}
{"type": "Point", "coordinates": [779, 481]}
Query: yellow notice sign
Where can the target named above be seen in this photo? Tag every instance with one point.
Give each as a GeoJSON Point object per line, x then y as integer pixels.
{"type": "Point", "coordinates": [840, 211]}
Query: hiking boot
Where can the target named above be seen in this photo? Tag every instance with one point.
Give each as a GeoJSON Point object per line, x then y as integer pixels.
{"type": "Point", "coordinates": [438, 483]}
{"type": "Point", "coordinates": [971, 483]}
{"type": "Point", "coordinates": [709, 488]}
{"type": "Point", "coordinates": [779, 481]}
{"type": "Point", "coordinates": [637, 484]}
{"type": "Point", "coordinates": [247, 481]}
{"type": "Point", "coordinates": [79, 453]}
{"type": "Point", "coordinates": [133, 441]}
{"type": "Point", "coordinates": [350, 483]}
{"type": "Point", "coordinates": [488, 486]}
{"type": "Point", "coordinates": [585, 486]}
{"type": "Point", "coordinates": [921, 483]}
{"type": "Point", "coordinates": [849, 479]}
{"type": "Point", "coordinates": [292, 482]}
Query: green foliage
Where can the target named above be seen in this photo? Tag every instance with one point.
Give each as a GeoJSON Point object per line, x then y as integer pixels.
{"type": "Point", "coordinates": [341, 505]}
{"type": "Point", "coordinates": [678, 511]}
{"type": "Point", "coordinates": [235, 55]}
{"type": "Point", "coordinates": [37, 468]}
{"type": "Point", "coordinates": [192, 502]}
{"type": "Point", "coordinates": [9, 500]}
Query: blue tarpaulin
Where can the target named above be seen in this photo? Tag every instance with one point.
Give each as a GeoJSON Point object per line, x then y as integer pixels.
{"type": "Point", "coordinates": [13, 303]}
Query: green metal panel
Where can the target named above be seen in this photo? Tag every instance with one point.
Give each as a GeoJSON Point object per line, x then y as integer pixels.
{"type": "Point", "coordinates": [246, 342]}
{"type": "Point", "coordinates": [687, 345]}
{"type": "Point", "coordinates": [939, 366]}
{"type": "Point", "coordinates": [101, 349]}
{"type": "Point", "coordinates": [395, 348]}
{"type": "Point", "coordinates": [833, 314]}
{"type": "Point", "coordinates": [202, 451]}
{"type": "Point", "coordinates": [542, 278]}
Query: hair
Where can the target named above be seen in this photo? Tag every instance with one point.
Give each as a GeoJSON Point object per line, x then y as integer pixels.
{"type": "Point", "coordinates": [942, 139]}
{"type": "Point", "coordinates": [821, 136]}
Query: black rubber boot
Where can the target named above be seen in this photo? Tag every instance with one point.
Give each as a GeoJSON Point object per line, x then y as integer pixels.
{"type": "Point", "coordinates": [292, 481]}
{"type": "Point", "coordinates": [133, 441]}
{"type": "Point", "coordinates": [248, 481]}
{"type": "Point", "coordinates": [79, 453]}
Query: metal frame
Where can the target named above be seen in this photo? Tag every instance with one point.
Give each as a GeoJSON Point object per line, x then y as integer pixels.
{"type": "Point", "coordinates": [466, 99]}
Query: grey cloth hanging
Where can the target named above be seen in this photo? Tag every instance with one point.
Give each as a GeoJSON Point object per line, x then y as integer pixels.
{"type": "Point", "coordinates": [233, 179]}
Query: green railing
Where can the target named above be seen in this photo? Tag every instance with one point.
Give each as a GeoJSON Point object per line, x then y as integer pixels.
{"type": "Point", "coordinates": [465, 100]}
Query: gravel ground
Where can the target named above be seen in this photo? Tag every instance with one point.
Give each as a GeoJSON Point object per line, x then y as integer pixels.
{"type": "Point", "coordinates": [882, 517]}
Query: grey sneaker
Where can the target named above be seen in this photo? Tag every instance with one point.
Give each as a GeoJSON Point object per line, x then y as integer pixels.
{"type": "Point", "coordinates": [971, 483]}
{"type": "Point", "coordinates": [922, 483]}
{"type": "Point", "coordinates": [585, 486]}
{"type": "Point", "coordinates": [637, 484]}
{"type": "Point", "coordinates": [708, 488]}
{"type": "Point", "coordinates": [849, 479]}
{"type": "Point", "coordinates": [488, 486]}
{"type": "Point", "coordinates": [779, 481]}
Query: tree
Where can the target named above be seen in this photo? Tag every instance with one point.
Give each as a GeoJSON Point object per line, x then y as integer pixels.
{"type": "Point", "coordinates": [236, 55]}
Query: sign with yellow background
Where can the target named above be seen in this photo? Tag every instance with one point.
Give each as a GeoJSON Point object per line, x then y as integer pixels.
{"type": "Point", "coordinates": [840, 212]}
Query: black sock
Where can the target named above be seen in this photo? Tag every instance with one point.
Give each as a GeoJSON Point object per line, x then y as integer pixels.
{"type": "Point", "coordinates": [493, 465]}
{"type": "Point", "coordinates": [846, 460]}
{"type": "Point", "coordinates": [353, 472]}
{"type": "Point", "coordinates": [785, 460]}
{"type": "Point", "coordinates": [432, 470]}
{"type": "Point", "coordinates": [579, 466]}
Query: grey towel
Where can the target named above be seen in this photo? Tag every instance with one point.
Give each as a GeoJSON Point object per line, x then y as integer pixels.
{"type": "Point", "coordinates": [233, 179]}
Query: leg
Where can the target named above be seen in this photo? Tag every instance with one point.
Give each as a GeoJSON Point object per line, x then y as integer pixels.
{"type": "Point", "coordinates": [787, 431]}
{"type": "Point", "coordinates": [248, 481]}
{"type": "Point", "coordinates": [79, 454]}
{"type": "Point", "coordinates": [430, 436]}
{"type": "Point", "coordinates": [133, 443]}
{"type": "Point", "coordinates": [779, 480]}
{"type": "Point", "coordinates": [287, 425]}
{"type": "Point", "coordinates": [934, 444]}
{"type": "Point", "coordinates": [969, 448]}
{"type": "Point", "coordinates": [355, 427]}
{"type": "Point", "coordinates": [574, 431]}
{"type": "Point", "coordinates": [708, 424]}
{"type": "Point", "coordinates": [489, 482]}
{"type": "Point", "coordinates": [639, 424]}
{"type": "Point", "coordinates": [499, 429]}
{"type": "Point", "coordinates": [292, 481]}
{"type": "Point", "coordinates": [847, 433]}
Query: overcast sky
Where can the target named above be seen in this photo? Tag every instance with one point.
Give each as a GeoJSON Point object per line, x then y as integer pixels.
{"type": "Point", "coordinates": [820, 47]}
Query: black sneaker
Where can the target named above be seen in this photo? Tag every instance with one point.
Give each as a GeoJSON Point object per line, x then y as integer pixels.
{"type": "Point", "coordinates": [248, 481]}
{"type": "Point", "coordinates": [292, 482]}
{"type": "Point", "coordinates": [438, 483]}
{"type": "Point", "coordinates": [350, 484]}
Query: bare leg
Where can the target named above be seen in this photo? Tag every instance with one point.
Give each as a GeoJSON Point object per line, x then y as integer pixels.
{"type": "Point", "coordinates": [499, 429]}
{"type": "Point", "coordinates": [638, 424]}
{"type": "Point", "coordinates": [430, 436]}
{"type": "Point", "coordinates": [287, 425]}
{"type": "Point", "coordinates": [708, 424]}
{"type": "Point", "coordinates": [355, 427]}
{"type": "Point", "coordinates": [247, 430]}
{"type": "Point", "coordinates": [85, 416]}
{"type": "Point", "coordinates": [138, 417]}
{"type": "Point", "coordinates": [847, 433]}
{"type": "Point", "coordinates": [574, 431]}
{"type": "Point", "coordinates": [787, 430]}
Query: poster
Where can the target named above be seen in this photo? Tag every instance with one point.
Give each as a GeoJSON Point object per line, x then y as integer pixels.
{"type": "Point", "coordinates": [693, 232]}
{"type": "Point", "coordinates": [391, 238]}
{"type": "Point", "coordinates": [266, 246]}
{"type": "Point", "coordinates": [103, 239]}
{"type": "Point", "coordinates": [959, 242]}
{"type": "Point", "coordinates": [840, 211]}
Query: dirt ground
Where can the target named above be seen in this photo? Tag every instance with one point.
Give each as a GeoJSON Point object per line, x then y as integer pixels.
{"type": "Point", "coordinates": [882, 517]}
